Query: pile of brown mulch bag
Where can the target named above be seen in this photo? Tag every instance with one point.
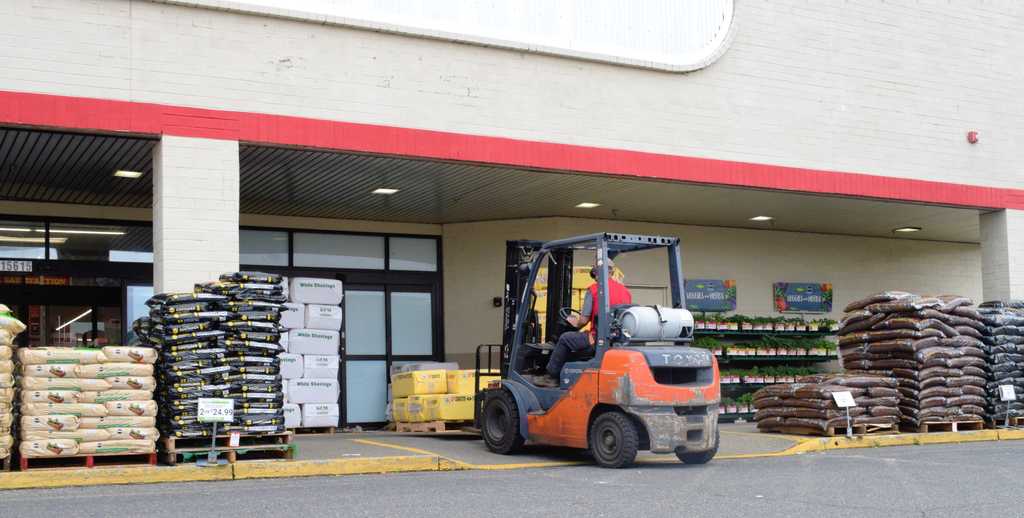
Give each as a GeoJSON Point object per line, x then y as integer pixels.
{"type": "Point", "coordinates": [808, 407]}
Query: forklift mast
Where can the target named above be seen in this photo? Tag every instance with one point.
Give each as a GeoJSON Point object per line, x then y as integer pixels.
{"type": "Point", "coordinates": [519, 255]}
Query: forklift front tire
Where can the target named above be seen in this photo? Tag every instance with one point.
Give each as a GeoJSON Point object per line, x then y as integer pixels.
{"type": "Point", "coordinates": [614, 440]}
{"type": "Point", "coordinates": [500, 424]}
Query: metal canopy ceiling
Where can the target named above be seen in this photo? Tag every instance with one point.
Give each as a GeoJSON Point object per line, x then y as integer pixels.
{"type": "Point", "coordinates": [62, 167]}
{"type": "Point", "coordinates": [74, 168]}
{"type": "Point", "coordinates": [293, 182]}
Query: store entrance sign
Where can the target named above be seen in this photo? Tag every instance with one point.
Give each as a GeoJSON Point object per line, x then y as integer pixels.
{"type": "Point", "coordinates": [15, 266]}
{"type": "Point", "coordinates": [710, 294]}
{"type": "Point", "coordinates": [802, 297]}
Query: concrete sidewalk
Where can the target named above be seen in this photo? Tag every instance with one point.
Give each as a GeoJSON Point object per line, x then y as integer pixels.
{"type": "Point", "coordinates": [389, 452]}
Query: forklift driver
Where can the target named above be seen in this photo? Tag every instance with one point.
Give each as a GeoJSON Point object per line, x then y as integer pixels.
{"type": "Point", "coordinates": [576, 342]}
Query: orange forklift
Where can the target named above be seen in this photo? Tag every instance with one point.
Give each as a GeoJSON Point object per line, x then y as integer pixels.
{"type": "Point", "coordinates": [640, 387]}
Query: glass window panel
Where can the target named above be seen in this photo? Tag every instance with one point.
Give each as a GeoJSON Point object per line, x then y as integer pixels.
{"type": "Point", "coordinates": [339, 251]}
{"type": "Point", "coordinates": [108, 326]}
{"type": "Point", "coordinates": [366, 391]}
{"type": "Point", "coordinates": [412, 330]}
{"type": "Point", "coordinates": [263, 247]}
{"type": "Point", "coordinates": [22, 240]}
{"type": "Point", "coordinates": [137, 297]}
{"type": "Point", "coordinates": [116, 243]}
{"type": "Point", "coordinates": [68, 326]}
{"type": "Point", "coordinates": [364, 322]}
{"type": "Point", "coordinates": [412, 254]}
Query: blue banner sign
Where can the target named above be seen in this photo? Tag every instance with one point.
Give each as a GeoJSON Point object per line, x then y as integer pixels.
{"type": "Point", "coordinates": [802, 297]}
{"type": "Point", "coordinates": [710, 294]}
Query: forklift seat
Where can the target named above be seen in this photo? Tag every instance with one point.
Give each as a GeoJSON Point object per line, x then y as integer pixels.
{"type": "Point", "coordinates": [571, 372]}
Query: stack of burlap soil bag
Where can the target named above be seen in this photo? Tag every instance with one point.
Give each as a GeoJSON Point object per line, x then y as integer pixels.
{"type": "Point", "coordinates": [221, 341]}
{"type": "Point", "coordinates": [10, 327]}
{"type": "Point", "coordinates": [82, 401]}
{"type": "Point", "coordinates": [808, 407]}
{"type": "Point", "coordinates": [931, 345]}
{"type": "Point", "coordinates": [1004, 343]}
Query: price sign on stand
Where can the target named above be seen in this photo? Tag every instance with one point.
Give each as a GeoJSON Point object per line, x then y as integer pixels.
{"type": "Point", "coordinates": [845, 400]}
{"type": "Point", "coordinates": [1007, 394]}
{"type": "Point", "coordinates": [214, 410]}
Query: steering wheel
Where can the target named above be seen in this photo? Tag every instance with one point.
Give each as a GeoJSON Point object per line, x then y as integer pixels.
{"type": "Point", "coordinates": [565, 313]}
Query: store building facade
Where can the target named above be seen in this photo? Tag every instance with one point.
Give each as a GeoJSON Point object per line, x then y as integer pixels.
{"type": "Point", "coordinates": [261, 135]}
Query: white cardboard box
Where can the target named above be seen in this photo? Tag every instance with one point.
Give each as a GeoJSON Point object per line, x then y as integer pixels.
{"type": "Point", "coordinates": [313, 390]}
{"type": "Point", "coordinates": [292, 415]}
{"type": "Point", "coordinates": [283, 342]}
{"type": "Point", "coordinates": [320, 366]}
{"type": "Point", "coordinates": [308, 290]}
{"type": "Point", "coordinates": [293, 316]}
{"type": "Point", "coordinates": [292, 365]}
{"type": "Point", "coordinates": [322, 316]}
{"type": "Point", "coordinates": [313, 341]}
{"type": "Point", "coordinates": [320, 414]}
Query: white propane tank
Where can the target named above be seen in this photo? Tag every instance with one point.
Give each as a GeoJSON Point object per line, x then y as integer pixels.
{"type": "Point", "coordinates": [655, 323]}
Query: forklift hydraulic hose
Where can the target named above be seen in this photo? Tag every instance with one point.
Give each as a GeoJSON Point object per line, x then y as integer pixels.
{"type": "Point", "coordinates": [653, 323]}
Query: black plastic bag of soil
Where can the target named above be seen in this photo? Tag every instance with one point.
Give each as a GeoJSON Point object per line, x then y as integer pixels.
{"type": "Point", "coordinates": [161, 299]}
{"type": "Point", "coordinates": [255, 277]}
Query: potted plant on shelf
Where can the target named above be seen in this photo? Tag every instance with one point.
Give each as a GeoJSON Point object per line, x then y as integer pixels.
{"type": "Point", "coordinates": [799, 325]}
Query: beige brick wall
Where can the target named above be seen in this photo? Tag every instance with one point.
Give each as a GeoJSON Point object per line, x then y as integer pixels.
{"type": "Point", "coordinates": [887, 88]}
{"type": "Point", "coordinates": [474, 258]}
{"type": "Point", "coordinates": [195, 211]}
{"type": "Point", "coordinates": [1002, 246]}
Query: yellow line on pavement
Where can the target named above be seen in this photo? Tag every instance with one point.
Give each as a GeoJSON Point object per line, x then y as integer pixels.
{"type": "Point", "coordinates": [395, 447]}
{"type": "Point", "coordinates": [347, 466]}
{"type": "Point", "coordinates": [765, 435]}
{"type": "Point", "coordinates": [44, 478]}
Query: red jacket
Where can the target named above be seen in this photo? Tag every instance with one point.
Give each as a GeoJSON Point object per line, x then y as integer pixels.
{"type": "Point", "coordinates": [617, 294]}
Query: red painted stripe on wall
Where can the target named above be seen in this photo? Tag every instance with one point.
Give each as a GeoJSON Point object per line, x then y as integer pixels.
{"type": "Point", "coordinates": [78, 113]}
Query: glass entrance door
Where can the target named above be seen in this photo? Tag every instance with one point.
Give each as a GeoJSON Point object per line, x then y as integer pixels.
{"type": "Point", "coordinates": [66, 315]}
{"type": "Point", "coordinates": [384, 325]}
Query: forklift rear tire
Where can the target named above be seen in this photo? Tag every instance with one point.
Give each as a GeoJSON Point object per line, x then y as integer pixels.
{"type": "Point", "coordinates": [614, 440]}
{"type": "Point", "coordinates": [700, 457]}
{"type": "Point", "coordinates": [500, 424]}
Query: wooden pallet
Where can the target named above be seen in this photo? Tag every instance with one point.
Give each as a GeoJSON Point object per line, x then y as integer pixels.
{"type": "Point", "coordinates": [838, 431]}
{"type": "Point", "coordinates": [433, 427]}
{"type": "Point", "coordinates": [86, 461]}
{"type": "Point", "coordinates": [174, 450]}
{"type": "Point", "coordinates": [315, 430]}
{"type": "Point", "coordinates": [1014, 422]}
{"type": "Point", "coordinates": [946, 426]}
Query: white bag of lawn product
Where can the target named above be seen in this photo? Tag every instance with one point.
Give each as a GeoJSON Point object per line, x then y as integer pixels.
{"type": "Point", "coordinates": [119, 354]}
{"type": "Point", "coordinates": [320, 316]}
{"type": "Point", "coordinates": [283, 342]}
{"type": "Point", "coordinates": [8, 323]}
{"type": "Point", "coordinates": [134, 434]}
{"type": "Point", "coordinates": [6, 381]}
{"type": "Point", "coordinates": [313, 341]}
{"type": "Point", "coordinates": [81, 385]}
{"type": "Point", "coordinates": [77, 435]}
{"type": "Point", "coordinates": [49, 448]}
{"type": "Point", "coordinates": [116, 447]}
{"type": "Point", "coordinates": [291, 365]}
{"type": "Point", "coordinates": [293, 316]}
{"type": "Point", "coordinates": [53, 396]}
{"type": "Point", "coordinates": [110, 370]}
{"type": "Point", "coordinates": [114, 395]}
{"type": "Point", "coordinates": [76, 409]}
{"type": "Point", "coordinates": [60, 355]}
{"type": "Point", "coordinates": [320, 414]}
{"type": "Point", "coordinates": [131, 408]}
{"type": "Point", "coordinates": [132, 383]}
{"type": "Point", "coordinates": [6, 420]}
{"type": "Point", "coordinates": [50, 423]}
{"type": "Point", "coordinates": [6, 352]}
{"type": "Point", "coordinates": [6, 442]}
{"type": "Point", "coordinates": [320, 366]}
{"type": "Point", "coordinates": [292, 415]}
{"type": "Point", "coordinates": [308, 290]}
{"type": "Point", "coordinates": [49, 371]}
{"type": "Point", "coordinates": [6, 367]}
{"type": "Point", "coordinates": [313, 390]}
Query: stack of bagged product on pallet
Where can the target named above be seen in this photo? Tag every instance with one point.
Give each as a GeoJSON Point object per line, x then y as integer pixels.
{"type": "Point", "coordinates": [86, 401]}
{"type": "Point", "coordinates": [808, 407]}
{"type": "Point", "coordinates": [1004, 343]}
{"type": "Point", "coordinates": [310, 365]}
{"type": "Point", "coordinates": [10, 328]}
{"type": "Point", "coordinates": [220, 341]}
{"type": "Point", "coordinates": [430, 391]}
{"type": "Point", "coordinates": [931, 345]}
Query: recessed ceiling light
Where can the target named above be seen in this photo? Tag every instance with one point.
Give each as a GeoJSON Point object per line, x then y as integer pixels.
{"type": "Point", "coordinates": [384, 190]}
{"type": "Point", "coordinates": [761, 218]}
{"type": "Point", "coordinates": [907, 229]}
{"type": "Point", "coordinates": [128, 174]}
{"type": "Point", "coordinates": [587, 205]}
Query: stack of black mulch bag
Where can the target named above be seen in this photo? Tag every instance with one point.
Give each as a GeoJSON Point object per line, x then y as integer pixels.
{"type": "Point", "coordinates": [220, 341]}
{"type": "Point", "coordinates": [1004, 344]}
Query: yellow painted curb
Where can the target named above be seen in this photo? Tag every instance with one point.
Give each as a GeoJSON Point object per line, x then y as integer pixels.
{"type": "Point", "coordinates": [310, 468]}
{"type": "Point", "coordinates": [109, 476]}
{"type": "Point", "coordinates": [1011, 435]}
